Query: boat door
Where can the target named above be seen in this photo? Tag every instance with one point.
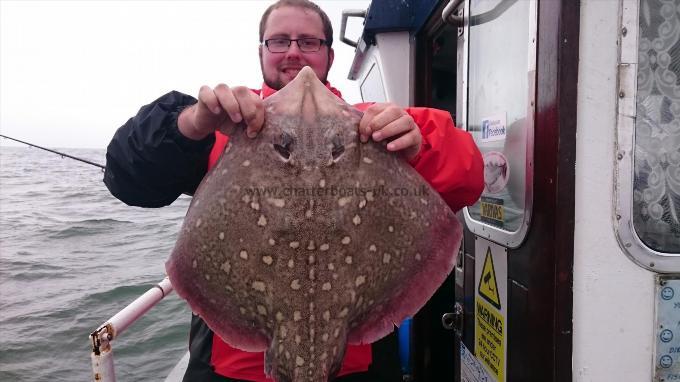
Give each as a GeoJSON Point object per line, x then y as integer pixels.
{"type": "Point", "coordinates": [513, 302]}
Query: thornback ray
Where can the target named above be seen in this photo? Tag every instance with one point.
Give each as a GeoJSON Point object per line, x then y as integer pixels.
{"type": "Point", "coordinates": [303, 240]}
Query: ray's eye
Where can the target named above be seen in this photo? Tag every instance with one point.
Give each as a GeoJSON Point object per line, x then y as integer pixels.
{"type": "Point", "coordinates": [338, 148]}
{"type": "Point", "coordinates": [284, 147]}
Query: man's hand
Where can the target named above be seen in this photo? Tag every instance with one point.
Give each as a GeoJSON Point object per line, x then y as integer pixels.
{"type": "Point", "coordinates": [389, 121]}
{"type": "Point", "coordinates": [222, 109]}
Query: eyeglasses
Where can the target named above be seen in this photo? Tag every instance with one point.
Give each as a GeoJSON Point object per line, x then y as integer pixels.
{"type": "Point", "coordinates": [281, 45]}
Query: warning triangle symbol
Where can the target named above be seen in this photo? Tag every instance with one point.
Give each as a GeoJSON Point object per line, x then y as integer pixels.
{"type": "Point", "coordinates": [488, 287]}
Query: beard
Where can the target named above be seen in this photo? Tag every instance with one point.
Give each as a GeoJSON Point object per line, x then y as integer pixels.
{"type": "Point", "coordinates": [276, 82]}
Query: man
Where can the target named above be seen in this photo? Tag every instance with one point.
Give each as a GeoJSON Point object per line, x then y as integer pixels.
{"type": "Point", "coordinates": [166, 149]}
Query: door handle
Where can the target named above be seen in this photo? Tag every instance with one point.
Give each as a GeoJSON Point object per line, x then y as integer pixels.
{"type": "Point", "coordinates": [454, 320]}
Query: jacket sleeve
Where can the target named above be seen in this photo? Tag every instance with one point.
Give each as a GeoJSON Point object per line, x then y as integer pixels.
{"type": "Point", "coordinates": [448, 159]}
{"type": "Point", "coordinates": [149, 163]}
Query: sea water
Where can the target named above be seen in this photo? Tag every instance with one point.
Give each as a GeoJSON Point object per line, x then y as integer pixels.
{"type": "Point", "coordinates": [71, 256]}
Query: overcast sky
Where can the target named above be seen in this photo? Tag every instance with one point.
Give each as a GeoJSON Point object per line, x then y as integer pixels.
{"type": "Point", "coordinates": [72, 72]}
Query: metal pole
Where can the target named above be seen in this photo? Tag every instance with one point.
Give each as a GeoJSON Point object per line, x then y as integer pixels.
{"type": "Point", "coordinates": [448, 15]}
{"type": "Point", "coordinates": [102, 352]}
{"type": "Point", "coordinates": [102, 366]}
{"type": "Point", "coordinates": [347, 13]}
{"type": "Point", "coordinates": [123, 319]}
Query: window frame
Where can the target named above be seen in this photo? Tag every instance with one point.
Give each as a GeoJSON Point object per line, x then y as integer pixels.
{"type": "Point", "coordinates": [510, 239]}
{"type": "Point", "coordinates": [628, 239]}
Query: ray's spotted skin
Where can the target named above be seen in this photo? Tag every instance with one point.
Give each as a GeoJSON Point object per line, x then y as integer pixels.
{"type": "Point", "coordinates": [297, 244]}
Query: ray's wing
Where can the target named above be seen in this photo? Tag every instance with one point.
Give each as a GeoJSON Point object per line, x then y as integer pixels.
{"type": "Point", "coordinates": [217, 265]}
{"type": "Point", "coordinates": [410, 243]}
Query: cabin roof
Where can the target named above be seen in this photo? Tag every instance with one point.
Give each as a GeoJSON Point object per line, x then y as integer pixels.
{"type": "Point", "coordinates": [396, 16]}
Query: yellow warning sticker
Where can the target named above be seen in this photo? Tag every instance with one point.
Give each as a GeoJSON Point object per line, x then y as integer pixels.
{"type": "Point", "coordinates": [488, 287]}
{"type": "Point", "coordinates": [489, 337]}
{"type": "Point", "coordinates": [491, 301]}
{"type": "Point", "coordinates": [492, 212]}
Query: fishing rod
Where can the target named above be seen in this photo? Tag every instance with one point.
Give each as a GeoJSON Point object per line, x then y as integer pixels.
{"type": "Point", "coordinates": [55, 152]}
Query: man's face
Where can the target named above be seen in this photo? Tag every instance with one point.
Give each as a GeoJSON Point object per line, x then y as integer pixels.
{"type": "Point", "coordinates": [278, 69]}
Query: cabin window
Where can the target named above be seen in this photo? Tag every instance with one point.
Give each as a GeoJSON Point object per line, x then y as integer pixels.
{"type": "Point", "coordinates": [500, 113]}
{"type": "Point", "coordinates": [372, 88]}
{"type": "Point", "coordinates": [656, 163]}
{"type": "Point", "coordinates": [647, 188]}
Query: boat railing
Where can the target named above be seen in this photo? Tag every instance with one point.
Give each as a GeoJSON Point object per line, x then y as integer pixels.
{"type": "Point", "coordinates": [102, 350]}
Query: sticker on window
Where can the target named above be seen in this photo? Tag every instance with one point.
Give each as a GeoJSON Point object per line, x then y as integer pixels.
{"type": "Point", "coordinates": [492, 211]}
{"type": "Point", "coordinates": [493, 128]}
{"type": "Point", "coordinates": [496, 172]}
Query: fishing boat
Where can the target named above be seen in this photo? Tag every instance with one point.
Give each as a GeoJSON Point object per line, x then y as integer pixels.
{"type": "Point", "coordinates": [570, 266]}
